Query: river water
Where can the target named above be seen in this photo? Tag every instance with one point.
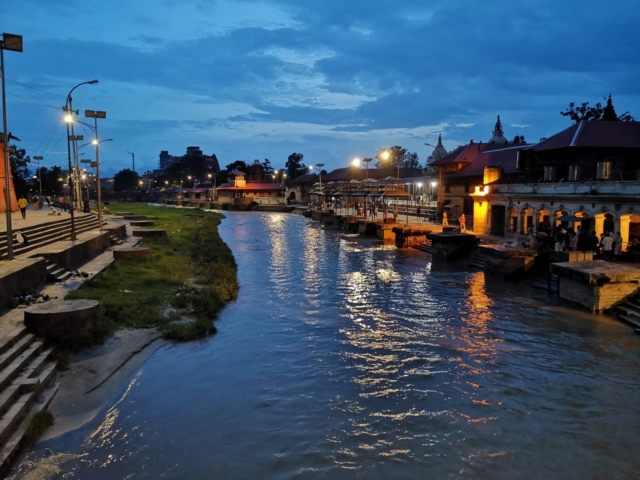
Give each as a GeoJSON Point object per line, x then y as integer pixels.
{"type": "Point", "coordinates": [344, 358]}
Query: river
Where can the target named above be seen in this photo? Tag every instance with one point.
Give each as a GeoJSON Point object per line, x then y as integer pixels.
{"type": "Point", "coordinates": [344, 358]}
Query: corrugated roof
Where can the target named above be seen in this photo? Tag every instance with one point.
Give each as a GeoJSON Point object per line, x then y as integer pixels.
{"type": "Point", "coordinates": [504, 158]}
{"type": "Point", "coordinates": [467, 153]}
{"type": "Point", "coordinates": [594, 134]}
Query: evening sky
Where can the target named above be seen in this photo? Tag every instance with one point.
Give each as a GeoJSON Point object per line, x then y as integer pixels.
{"type": "Point", "coordinates": [333, 79]}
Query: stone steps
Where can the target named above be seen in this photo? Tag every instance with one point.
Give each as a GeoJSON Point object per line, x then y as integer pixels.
{"type": "Point", "coordinates": [424, 246]}
{"type": "Point", "coordinates": [26, 375]}
{"type": "Point", "coordinates": [47, 233]}
{"type": "Point", "coordinates": [628, 311]}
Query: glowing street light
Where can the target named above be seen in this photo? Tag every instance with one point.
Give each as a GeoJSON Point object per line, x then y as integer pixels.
{"type": "Point", "coordinates": [68, 110]}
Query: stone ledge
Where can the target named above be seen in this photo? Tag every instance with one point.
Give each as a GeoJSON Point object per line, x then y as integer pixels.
{"type": "Point", "coordinates": [129, 253]}
{"type": "Point", "coordinates": [64, 321]}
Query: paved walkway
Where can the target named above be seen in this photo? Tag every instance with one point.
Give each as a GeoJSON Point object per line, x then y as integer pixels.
{"type": "Point", "coordinates": [11, 318]}
{"type": "Point", "coordinates": [34, 217]}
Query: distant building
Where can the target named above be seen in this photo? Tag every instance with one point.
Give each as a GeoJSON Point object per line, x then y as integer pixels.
{"type": "Point", "coordinates": [209, 162]}
{"type": "Point", "coordinates": [239, 191]}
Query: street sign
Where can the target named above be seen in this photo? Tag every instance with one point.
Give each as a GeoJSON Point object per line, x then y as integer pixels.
{"type": "Point", "coordinates": [86, 161]}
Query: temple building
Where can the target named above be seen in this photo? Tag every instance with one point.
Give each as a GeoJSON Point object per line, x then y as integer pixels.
{"type": "Point", "coordinates": [586, 175]}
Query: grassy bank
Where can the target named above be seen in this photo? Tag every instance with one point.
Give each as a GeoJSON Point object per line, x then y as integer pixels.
{"type": "Point", "coordinates": [190, 277]}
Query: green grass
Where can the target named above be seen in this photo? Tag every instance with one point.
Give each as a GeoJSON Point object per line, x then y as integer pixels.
{"type": "Point", "coordinates": [37, 425]}
{"type": "Point", "coordinates": [192, 274]}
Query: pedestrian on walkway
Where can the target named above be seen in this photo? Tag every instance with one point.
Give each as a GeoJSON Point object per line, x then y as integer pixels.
{"type": "Point", "coordinates": [445, 219]}
{"type": "Point", "coordinates": [22, 203]}
{"type": "Point", "coordinates": [463, 223]}
{"type": "Point", "coordinates": [418, 212]}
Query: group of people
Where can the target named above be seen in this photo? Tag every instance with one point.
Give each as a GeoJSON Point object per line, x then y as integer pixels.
{"type": "Point", "coordinates": [37, 201]}
{"type": "Point", "coordinates": [608, 245]}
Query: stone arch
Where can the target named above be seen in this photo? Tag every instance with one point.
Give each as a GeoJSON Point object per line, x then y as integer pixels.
{"type": "Point", "coordinates": [526, 219]}
{"type": "Point", "coordinates": [512, 219]}
{"type": "Point", "coordinates": [629, 228]}
{"type": "Point", "coordinates": [543, 216]}
{"type": "Point", "coordinates": [604, 222]}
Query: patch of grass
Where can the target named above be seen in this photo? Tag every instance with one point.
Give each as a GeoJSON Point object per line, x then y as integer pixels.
{"type": "Point", "coordinates": [37, 425]}
{"type": "Point", "coordinates": [156, 292]}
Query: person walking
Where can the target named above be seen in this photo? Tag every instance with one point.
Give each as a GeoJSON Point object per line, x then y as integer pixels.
{"type": "Point", "coordinates": [22, 204]}
{"type": "Point", "coordinates": [445, 219]}
{"type": "Point", "coordinates": [418, 212]}
{"type": "Point", "coordinates": [463, 223]}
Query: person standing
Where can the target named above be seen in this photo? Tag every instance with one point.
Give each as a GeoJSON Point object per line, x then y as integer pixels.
{"type": "Point", "coordinates": [418, 212]}
{"type": "Point", "coordinates": [617, 245]}
{"type": "Point", "coordinates": [463, 223]}
{"type": "Point", "coordinates": [445, 220]}
{"type": "Point", "coordinates": [395, 213]}
{"type": "Point", "coordinates": [607, 243]}
{"type": "Point", "coordinates": [22, 203]}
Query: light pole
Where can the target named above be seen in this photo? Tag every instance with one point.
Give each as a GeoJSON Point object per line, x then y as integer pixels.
{"type": "Point", "coordinates": [12, 43]}
{"type": "Point", "coordinates": [68, 109]}
{"type": "Point", "coordinates": [39, 158]}
{"type": "Point", "coordinates": [96, 115]}
{"type": "Point", "coordinates": [439, 169]}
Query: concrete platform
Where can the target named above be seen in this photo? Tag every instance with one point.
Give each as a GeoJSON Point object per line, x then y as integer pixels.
{"type": "Point", "coordinates": [597, 285]}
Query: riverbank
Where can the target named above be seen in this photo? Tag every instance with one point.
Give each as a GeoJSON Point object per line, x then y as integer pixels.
{"type": "Point", "coordinates": [175, 293]}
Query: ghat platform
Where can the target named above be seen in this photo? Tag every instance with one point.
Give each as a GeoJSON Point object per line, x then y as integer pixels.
{"type": "Point", "coordinates": [597, 284]}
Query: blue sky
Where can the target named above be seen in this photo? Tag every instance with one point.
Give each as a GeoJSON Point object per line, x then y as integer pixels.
{"type": "Point", "coordinates": [333, 79]}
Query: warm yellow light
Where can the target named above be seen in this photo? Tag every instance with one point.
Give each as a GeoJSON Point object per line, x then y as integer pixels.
{"type": "Point", "coordinates": [95, 142]}
{"type": "Point", "coordinates": [433, 184]}
{"type": "Point", "coordinates": [310, 167]}
{"type": "Point", "coordinates": [420, 185]}
{"type": "Point", "coordinates": [68, 118]}
{"type": "Point", "coordinates": [355, 162]}
{"type": "Point", "coordinates": [385, 155]}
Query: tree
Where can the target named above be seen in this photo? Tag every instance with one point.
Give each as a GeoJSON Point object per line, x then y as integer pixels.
{"type": "Point", "coordinates": [238, 165]}
{"type": "Point", "coordinates": [294, 165]}
{"type": "Point", "coordinates": [19, 168]}
{"type": "Point", "coordinates": [125, 179]}
{"type": "Point", "coordinates": [267, 168]}
{"type": "Point", "coordinates": [397, 157]}
{"type": "Point", "coordinates": [52, 179]}
{"type": "Point", "coordinates": [518, 139]}
{"type": "Point", "coordinates": [597, 112]}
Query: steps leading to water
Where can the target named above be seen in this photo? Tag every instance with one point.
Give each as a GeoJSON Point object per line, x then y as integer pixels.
{"type": "Point", "coordinates": [424, 246]}
{"type": "Point", "coordinates": [27, 373]}
{"type": "Point", "coordinates": [46, 233]}
{"type": "Point", "coordinates": [628, 311]}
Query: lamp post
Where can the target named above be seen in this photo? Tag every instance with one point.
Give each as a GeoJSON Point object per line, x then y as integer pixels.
{"type": "Point", "coordinates": [68, 109]}
{"type": "Point", "coordinates": [439, 167]}
{"type": "Point", "coordinates": [96, 115]}
{"type": "Point", "coordinates": [12, 43]}
{"type": "Point", "coordinates": [39, 158]}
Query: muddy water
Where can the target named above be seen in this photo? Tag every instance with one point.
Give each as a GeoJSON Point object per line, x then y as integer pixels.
{"type": "Point", "coordinates": [343, 358]}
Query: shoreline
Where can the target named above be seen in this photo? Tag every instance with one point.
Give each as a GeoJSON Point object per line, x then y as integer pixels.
{"type": "Point", "coordinates": [95, 375]}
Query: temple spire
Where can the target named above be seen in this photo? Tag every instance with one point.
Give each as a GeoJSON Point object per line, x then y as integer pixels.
{"type": "Point", "coordinates": [498, 133]}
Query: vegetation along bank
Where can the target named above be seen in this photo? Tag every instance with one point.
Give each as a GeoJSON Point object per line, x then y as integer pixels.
{"type": "Point", "coordinates": [190, 277]}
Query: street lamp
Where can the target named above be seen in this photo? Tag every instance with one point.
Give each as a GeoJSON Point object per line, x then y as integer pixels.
{"type": "Point", "coordinates": [68, 109]}
{"type": "Point", "coordinates": [96, 115]}
{"type": "Point", "coordinates": [439, 167]}
{"type": "Point", "coordinates": [39, 158]}
{"type": "Point", "coordinates": [13, 43]}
